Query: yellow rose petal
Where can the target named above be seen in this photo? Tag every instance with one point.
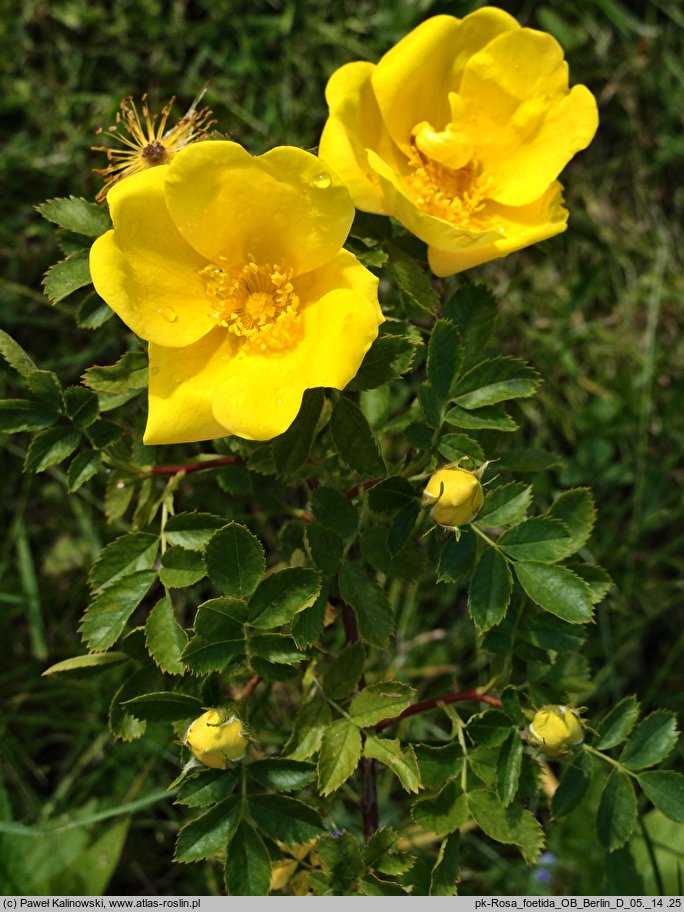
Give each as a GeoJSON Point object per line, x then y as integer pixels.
{"type": "Point", "coordinates": [410, 80]}
{"type": "Point", "coordinates": [354, 125]}
{"type": "Point", "coordinates": [528, 123]}
{"type": "Point", "coordinates": [518, 227]}
{"type": "Point", "coordinates": [144, 269]}
{"type": "Point", "coordinates": [181, 389]}
{"type": "Point", "coordinates": [284, 208]}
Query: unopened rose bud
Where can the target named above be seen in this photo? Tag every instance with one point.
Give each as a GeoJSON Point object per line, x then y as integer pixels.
{"type": "Point", "coordinates": [454, 497]}
{"type": "Point", "coordinates": [555, 730]}
{"type": "Point", "coordinates": [216, 738]}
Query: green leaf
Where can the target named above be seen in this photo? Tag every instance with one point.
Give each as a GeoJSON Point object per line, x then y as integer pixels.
{"type": "Point", "coordinates": [381, 853]}
{"type": "Point", "coordinates": [402, 527]}
{"type": "Point", "coordinates": [313, 720]}
{"type": "Point", "coordinates": [25, 415]}
{"type": "Point", "coordinates": [45, 388]}
{"type": "Point", "coordinates": [576, 510]}
{"type": "Point", "coordinates": [67, 276]}
{"type": "Point", "coordinates": [412, 279]}
{"type": "Point", "coordinates": [391, 494]}
{"type": "Point", "coordinates": [282, 595]}
{"type": "Point", "coordinates": [550, 632]}
{"type": "Point", "coordinates": [334, 510]}
{"type": "Point", "coordinates": [510, 825]}
{"type": "Point", "coordinates": [82, 406]}
{"type": "Point", "coordinates": [617, 811]}
{"type": "Point", "coordinates": [490, 590]}
{"type": "Point", "coordinates": [596, 578]}
{"type": "Point", "coordinates": [506, 504]}
{"type": "Point", "coordinates": [50, 448]}
{"type": "Point", "coordinates": [537, 539]}
{"type": "Point", "coordinates": [122, 724]}
{"type": "Point", "coordinates": [665, 789]}
{"type": "Point", "coordinates": [181, 568]}
{"type": "Point", "coordinates": [83, 467]}
{"type": "Point", "coordinates": [15, 356]}
{"type": "Point", "coordinates": [492, 417]}
{"type": "Point", "coordinates": [129, 373]}
{"type": "Point", "coordinates": [455, 446]}
{"type": "Point", "coordinates": [354, 439]}
{"type": "Point", "coordinates": [291, 449]}
{"type": "Point", "coordinates": [106, 616]}
{"type": "Point", "coordinates": [510, 703]}
{"type": "Point", "coordinates": [473, 309]}
{"type": "Point", "coordinates": [557, 590]}
{"type": "Point", "coordinates": [445, 874]}
{"type": "Point", "coordinates": [373, 611]}
{"type": "Point", "coordinates": [437, 764]}
{"type": "Point", "coordinates": [494, 381]}
{"type": "Point", "coordinates": [508, 768]}
{"type": "Point", "coordinates": [207, 835]}
{"type": "Point", "coordinates": [489, 728]}
{"type": "Point", "coordinates": [192, 530]}
{"type": "Point", "coordinates": [343, 674]}
{"type": "Point", "coordinates": [282, 775]}
{"type": "Point", "coordinates": [402, 762]}
{"type": "Point", "coordinates": [207, 787]}
{"type": "Point", "coordinates": [341, 862]}
{"type": "Point", "coordinates": [651, 741]}
{"type": "Point", "coordinates": [615, 727]}
{"type": "Point", "coordinates": [339, 756]}
{"type": "Point", "coordinates": [325, 547]}
{"type": "Point", "coordinates": [387, 359]}
{"type": "Point", "coordinates": [457, 558]}
{"type": "Point", "coordinates": [276, 647]}
{"type": "Point", "coordinates": [77, 215]}
{"type": "Point", "coordinates": [83, 662]}
{"type": "Point", "coordinates": [220, 617]}
{"type": "Point", "coordinates": [165, 638]}
{"type": "Point", "coordinates": [163, 706]}
{"type": "Point", "coordinates": [443, 813]}
{"type": "Point", "coordinates": [384, 700]}
{"type": "Point", "coordinates": [286, 819]}
{"type": "Point", "coordinates": [248, 864]}
{"type": "Point", "coordinates": [128, 554]}
{"type": "Point", "coordinates": [308, 624]}
{"type": "Point", "coordinates": [572, 788]}
{"type": "Point", "coordinates": [445, 356]}
{"type": "Point", "coordinates": [93, 312]}
{"type": "Point", "coordinates": [235, 560]}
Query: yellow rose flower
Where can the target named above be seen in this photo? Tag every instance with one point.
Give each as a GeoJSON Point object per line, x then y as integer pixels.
{"type": "Point", "coordinates": [460, 132]}
{"type": "Point", "coordinates": [555, 730]}
{"type": "Point", "coordinates": [454, 496]}
{"type": "Point", "coordinates": [231, 267]}
{"type": "Point", "coordinates": [217, 738]}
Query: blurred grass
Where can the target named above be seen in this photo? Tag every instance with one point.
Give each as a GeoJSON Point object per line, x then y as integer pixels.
{"type": "Point", "coordinates": [597, 310]}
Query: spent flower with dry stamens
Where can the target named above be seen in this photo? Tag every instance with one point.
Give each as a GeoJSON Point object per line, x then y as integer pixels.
{"type": "Point", "coordinates": [145, 142]}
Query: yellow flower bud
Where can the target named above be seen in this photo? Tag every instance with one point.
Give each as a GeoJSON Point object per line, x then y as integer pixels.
{"type": "Point", "coordinates": [555, 730]}
{"type": "Point", "coordinates": [455, 497]}
{"type": "Point", "coordinates": [216, 738]}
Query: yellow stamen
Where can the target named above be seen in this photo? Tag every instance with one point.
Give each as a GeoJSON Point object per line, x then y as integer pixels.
{"type": "Point", "coordinates": [145, 142]}
{"type": "Point", "coordinates": [256, 303]}
{"type": "Point", "coordinates": [453, 194]}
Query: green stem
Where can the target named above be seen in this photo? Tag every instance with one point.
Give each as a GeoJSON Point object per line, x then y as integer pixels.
{"type": "Point", "coordinates": [615, 763]}
{"type": "Point", "coordinates": [486, 538]}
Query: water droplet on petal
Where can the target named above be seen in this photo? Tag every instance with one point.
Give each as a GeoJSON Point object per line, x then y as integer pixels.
{"type": "Point", "coordinates": [501, 231]}
{"type": "Point", "coordinates": [176, 379]}
{"type": "Point", "coordinates": [322, 181]}
{"type": "Point", "coordinates": [279, 401]}
{"type": "Point", "coordinates": [154, 370]}
{"type": "Point", "coordinates": [168, 314]}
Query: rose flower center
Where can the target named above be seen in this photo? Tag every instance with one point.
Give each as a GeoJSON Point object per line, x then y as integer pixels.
{"type": "Point", "coordinates": [256, 303]}
{"type": "Point", "coordinates": [446, 179]}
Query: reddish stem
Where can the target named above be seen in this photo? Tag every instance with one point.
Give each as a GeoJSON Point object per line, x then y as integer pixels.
{"type": "Point", "coordinates": [249, 687]}
{"type": "Point", "coordinates": [449, 698]}
{"type": "Point", "coordinates": [195, 466]}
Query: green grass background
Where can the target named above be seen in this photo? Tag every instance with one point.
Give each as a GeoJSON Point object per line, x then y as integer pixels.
{"type": "Point", "coordinates": [597, 310]}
